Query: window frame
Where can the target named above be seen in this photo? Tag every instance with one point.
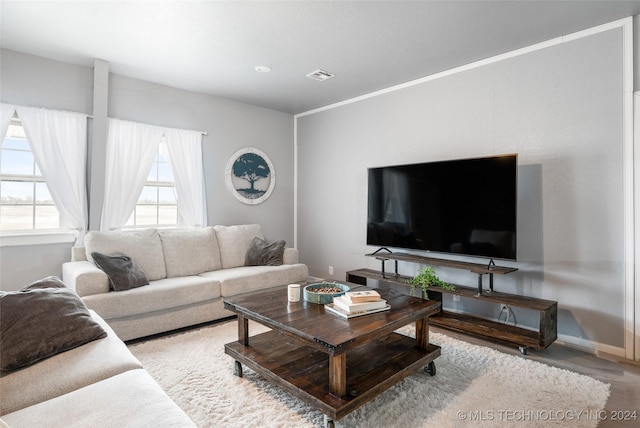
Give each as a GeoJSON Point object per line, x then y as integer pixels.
{"type": "Point", "coordinates": [158, 184]}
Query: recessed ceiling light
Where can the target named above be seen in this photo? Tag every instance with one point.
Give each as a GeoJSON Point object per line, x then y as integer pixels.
{"type": "Point", "coordinates": [320, 75]}
{"type": "Point", "coordinates": [263, 68]}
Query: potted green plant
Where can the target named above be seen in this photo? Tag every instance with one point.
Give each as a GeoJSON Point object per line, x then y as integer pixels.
{"type": "Point", "coordinates": [428, 278]}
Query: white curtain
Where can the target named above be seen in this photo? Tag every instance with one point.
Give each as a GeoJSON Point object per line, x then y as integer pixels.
{"type": "Point", "coordinates": [58, 140]}
{"type": "Point", "coordinates": [6, 113]}
{"type": "Point", "coordinates": [185, 152]}
{"type": "Point", "coordinates": [131, 149]}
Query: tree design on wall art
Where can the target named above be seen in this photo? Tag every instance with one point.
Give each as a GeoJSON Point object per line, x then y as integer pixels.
{"type": "Point", "coordinates": [250, 176]}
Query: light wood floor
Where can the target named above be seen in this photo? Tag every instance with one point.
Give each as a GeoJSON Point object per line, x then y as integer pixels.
{"type": "Point", "coordinates": [624, 377]}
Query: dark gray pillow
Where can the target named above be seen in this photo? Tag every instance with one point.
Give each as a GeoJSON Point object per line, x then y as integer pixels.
{"type": "Point", "coordinates": [262, 253]}
{"type": "Point", "coordinates": [42, 320]}
{"type": "Point", "coordinates": [123, 272]}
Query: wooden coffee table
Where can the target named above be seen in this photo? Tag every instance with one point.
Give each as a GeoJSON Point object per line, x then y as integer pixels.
{"type": "Point", "coordinates": [333, 364]}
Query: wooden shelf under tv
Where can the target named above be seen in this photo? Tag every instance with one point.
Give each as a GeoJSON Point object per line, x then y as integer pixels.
{"type": "Point", "coordinates": [477, 268]}
{"type": "Point", "coordinates": [469, 324]}
{"type": "Point", "coordinates": [456, 264]}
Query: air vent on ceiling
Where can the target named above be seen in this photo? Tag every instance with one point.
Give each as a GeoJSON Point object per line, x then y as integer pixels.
{"type": "Point", "coordinates": [320, 75]}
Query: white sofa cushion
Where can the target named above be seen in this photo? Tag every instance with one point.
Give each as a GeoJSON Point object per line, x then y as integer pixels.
{"type": "Point", "coordinates": [143, 246]}
{"type": "Point", "coordinates": [66, 372]}
{"type": "Point", "coordinates": [131, 399]}
{"type": "Point", "coordinates": [158, 295]}
{"type": "Point", "coordinates": [234, 242]}
{"type": "Point", "coordinates": [190, 251]}
{"type": "Point", "coordinates": [148, 323]}
{"type": "Point", "coordinates": [251, 278]}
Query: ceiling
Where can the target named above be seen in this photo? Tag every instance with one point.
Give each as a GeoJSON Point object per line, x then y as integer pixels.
{"type": "Point", "coordinates": [213, 47]}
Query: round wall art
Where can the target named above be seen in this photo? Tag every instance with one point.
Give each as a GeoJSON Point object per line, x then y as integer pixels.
{"type": "Point", "coordinates": [250, 176]}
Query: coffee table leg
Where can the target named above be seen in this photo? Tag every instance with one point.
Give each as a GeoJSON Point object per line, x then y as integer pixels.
{"type": "Point", "coordinates": [338, 374]}
{"type": "Point", "coordinates": [237, 369]}
{"type": "Point", "coordinates": [243, 330]}
{"type": "Point", "coordinates": [328, 422]}
{"type": "Point", "coordinates": [422, 333]}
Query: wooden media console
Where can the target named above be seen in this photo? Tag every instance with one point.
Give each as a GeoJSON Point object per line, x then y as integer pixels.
{"type": "Point", "coordinates": [524, 338]}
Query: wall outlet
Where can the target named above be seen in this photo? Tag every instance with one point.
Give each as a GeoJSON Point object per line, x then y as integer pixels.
{"type": "Point", "coordinates": [456, 298]}
{"type": "Point", "coordinates": [330, 270]}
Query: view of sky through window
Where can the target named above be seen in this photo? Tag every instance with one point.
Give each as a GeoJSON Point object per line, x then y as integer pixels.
{"type": "Point", "coordinates": [25, 201]}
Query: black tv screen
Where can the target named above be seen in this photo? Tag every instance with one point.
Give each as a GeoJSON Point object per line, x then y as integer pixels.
{"type": "Point", "coordinates": [465, 206]}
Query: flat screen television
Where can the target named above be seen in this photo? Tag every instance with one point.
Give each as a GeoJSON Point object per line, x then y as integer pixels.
{"type": "Point", "coordinates": [464, 206]}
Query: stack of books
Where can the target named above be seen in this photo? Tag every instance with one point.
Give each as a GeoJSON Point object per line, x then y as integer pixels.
{"type": "Point", "coordinates": [357, 303]}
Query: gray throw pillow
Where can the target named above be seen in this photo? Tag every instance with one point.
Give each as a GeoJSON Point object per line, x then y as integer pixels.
{"type": "Point", "coordinates": [262, 253]}
{"type": "Point", "coordinates": [41, 320]}
{"type": "Point", "coordinates": [123, 272]}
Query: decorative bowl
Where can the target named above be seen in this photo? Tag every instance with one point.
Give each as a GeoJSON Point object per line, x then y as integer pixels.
{"type": "Point", "coordinates": [318, 293]}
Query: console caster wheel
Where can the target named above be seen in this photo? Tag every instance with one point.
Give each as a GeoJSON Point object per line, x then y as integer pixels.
{"type": "Point", "coordinates": [523, 350]}
{"type": "Point", "coordinates": [328, 422]}
{"type": "Point", "coordinates": [430, 369]}
{"type": "Point", "coordinates": [237, 369]}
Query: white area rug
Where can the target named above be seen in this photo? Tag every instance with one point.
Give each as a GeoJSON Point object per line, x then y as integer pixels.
{"type": "Point", "coordinates": [474, 386]}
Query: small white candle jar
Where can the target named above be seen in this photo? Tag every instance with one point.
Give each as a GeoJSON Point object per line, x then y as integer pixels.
{"type": "Point", "coordinates": [294, 292]}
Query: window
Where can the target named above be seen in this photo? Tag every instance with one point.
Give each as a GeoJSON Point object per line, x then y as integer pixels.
{"type": "Point", "coordinates": [157, 205]}
{"type": "Point", "coordinates": [25, 201]}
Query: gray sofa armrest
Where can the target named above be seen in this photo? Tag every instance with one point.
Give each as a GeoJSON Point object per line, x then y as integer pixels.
{"type": "Point", "coordinates": [290, 256]}
{"type": "Point", "coordinates": [85, 278]}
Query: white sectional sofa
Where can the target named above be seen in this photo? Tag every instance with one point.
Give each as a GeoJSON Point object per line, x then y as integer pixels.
{"type": "Point", "coordinates": [190, 271]}
{"type": "Point", "coordinates": [98, 384]}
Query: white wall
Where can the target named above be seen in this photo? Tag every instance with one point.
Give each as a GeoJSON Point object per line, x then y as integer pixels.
{"type": "Point", "coordinates": [560, 108]}
{"type": "Point", "coordinates": [40, 82]}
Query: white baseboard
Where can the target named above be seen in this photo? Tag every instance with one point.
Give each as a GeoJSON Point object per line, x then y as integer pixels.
{"type": "Point", "coordinates": [590, 346]}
